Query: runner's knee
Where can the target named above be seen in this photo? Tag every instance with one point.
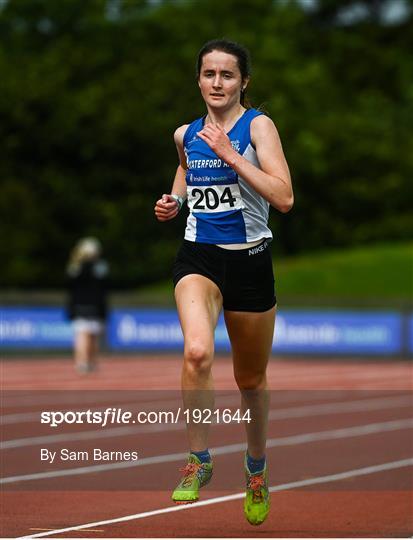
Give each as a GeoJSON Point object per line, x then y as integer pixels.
{"type": "Point", "coordinates": [198, 357]}
{"type": "Point", "coordinates": [251, 380]}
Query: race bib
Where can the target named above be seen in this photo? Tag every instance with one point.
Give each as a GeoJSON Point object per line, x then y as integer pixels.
{"type": "Point", "coordinates": [209, 199]}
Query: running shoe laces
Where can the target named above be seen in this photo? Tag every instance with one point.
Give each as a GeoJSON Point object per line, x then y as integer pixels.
{"type": "Point", "coordinates": [189, 472]}
{"type": "Point", "coordinates": [257, 497]}
{"type": "Point", "coordinates": [255, 483]}
{"type": "Point", "coordinates": [195, 476]}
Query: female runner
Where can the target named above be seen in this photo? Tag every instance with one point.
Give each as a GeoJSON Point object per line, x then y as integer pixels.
{"type": "Point", "coordinates": [231, 169]}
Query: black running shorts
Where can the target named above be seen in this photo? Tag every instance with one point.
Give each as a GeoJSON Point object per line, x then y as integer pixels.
{"type": "Point", "coordinates": [244, 277]}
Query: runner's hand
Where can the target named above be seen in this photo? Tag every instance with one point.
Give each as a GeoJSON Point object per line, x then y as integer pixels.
{"type": "Point", "coordinates": [216, 138]}
{"type": "Point", "coordinates": [166, 208]}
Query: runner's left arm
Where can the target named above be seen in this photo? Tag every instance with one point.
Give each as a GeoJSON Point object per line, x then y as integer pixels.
{"type": "Point", "coordinates": [272, 180]}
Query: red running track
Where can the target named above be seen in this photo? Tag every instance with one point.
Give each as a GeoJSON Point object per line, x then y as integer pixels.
{"type": "Point", "coordinates": [340, 452]}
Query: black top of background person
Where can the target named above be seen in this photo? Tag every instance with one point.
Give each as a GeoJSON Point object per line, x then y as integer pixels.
{"type": "Point", "coordinates": [87, 275]}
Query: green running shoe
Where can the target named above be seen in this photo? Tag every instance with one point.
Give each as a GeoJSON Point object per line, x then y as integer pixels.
{"type": "Point", "coordinates": [196, 475]}
{"type": "Point", "coordinates": [257, 497]}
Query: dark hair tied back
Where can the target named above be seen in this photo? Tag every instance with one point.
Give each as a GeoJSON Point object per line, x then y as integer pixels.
{"type": "Point", "coordinates": [229, 47]}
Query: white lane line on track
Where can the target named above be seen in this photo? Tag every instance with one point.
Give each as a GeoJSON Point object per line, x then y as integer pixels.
{"type": "Point", "coordinates": [342, 407]}
{"type": "Point", "coordinates": [71, 397]}
{"type": "Point", "coordinates": [34, 400]}
{"type": "Point", "coordinates": [275, 414]}
{"type": "Point", "coordinates": [354, 431]}
{"type": "Point", "coordinates": [226, 498]}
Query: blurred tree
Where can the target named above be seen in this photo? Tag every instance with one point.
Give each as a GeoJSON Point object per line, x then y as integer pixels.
{"type": "Point", "coordinates": [93, 91]}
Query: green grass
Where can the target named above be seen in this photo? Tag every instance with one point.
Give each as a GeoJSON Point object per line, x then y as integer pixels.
{"type": "Point", "coordinates": [371, 276]}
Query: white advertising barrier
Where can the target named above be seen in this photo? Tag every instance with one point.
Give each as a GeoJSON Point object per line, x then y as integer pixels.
{"type": "Point", "coordinates": [34, 328]}
{"type": "Point", "coordinates": [296, 332]}
{"type": "Point", "coordinates": [303, 332]}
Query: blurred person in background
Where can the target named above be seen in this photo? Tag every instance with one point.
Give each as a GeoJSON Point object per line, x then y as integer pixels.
{"type": "Point", "coordinates": [232, 168]}
{"type": "Point", "coordinates": [87, 275]}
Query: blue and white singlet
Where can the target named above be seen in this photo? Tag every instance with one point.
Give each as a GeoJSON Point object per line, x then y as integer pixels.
{"type": "Point", "coordinates": [224, 209]}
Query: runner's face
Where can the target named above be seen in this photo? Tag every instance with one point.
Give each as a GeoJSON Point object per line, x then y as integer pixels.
{"type": "Point", "coordinates": [220, 80]}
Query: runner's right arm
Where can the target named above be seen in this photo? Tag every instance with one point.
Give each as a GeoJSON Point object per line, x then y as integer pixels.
{"type": "Point", "coordinates": [168, 206]}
